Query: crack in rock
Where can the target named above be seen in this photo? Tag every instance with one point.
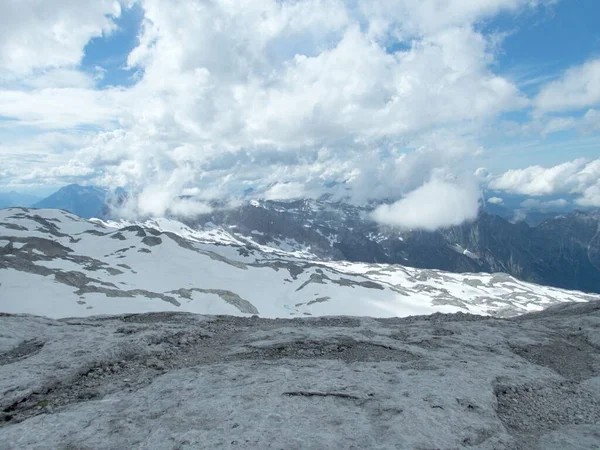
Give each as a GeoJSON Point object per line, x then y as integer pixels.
{"type": "Point", "coordinates": [321, 394]}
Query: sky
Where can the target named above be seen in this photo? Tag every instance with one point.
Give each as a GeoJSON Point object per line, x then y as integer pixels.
{"type": "Point", "coordinates": [400, 102]}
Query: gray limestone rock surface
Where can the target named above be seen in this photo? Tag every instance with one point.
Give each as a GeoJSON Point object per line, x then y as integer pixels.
{"type": "Point", "coordinates": [184, 381]}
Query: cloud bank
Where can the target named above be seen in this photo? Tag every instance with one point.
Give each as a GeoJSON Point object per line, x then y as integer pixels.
{"type": "Point", "coordinates": [580, 177]}
{"type": "Point", "coordinates": [577, 88]}
{"type": "Point", "coordinates": [365, 100]}
{"type": "Point", "coordinates": [285, 98]}
{"type": "Point", "coordinates": [38, 35]}
{"type": "Point", "coordinates": [436, 204]}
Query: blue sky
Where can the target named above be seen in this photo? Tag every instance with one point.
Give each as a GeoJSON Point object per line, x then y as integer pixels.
{"type": "Point", "coordinates": [546, 41]}
{"type": "Point", "coordinates": [110, 51]}
{"type": "Point", "coordinates": [541, 45]}
{"type": "Point", "coordinates": [365, 100]}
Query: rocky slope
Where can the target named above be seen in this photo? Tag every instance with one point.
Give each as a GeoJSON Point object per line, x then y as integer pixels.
{"type": "Point", "coordinates": [563, 251]}
{"type": "Point", "coordinates": [183, 381]}
{"type": "Point", "coordinates": [56, 264]}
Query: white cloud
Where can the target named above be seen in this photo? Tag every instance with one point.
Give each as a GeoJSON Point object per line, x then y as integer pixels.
{"type": "Point", "coordinates": [482, 174]}
{"type": "Point", "coordinates": [161, 197]}
{"type": "Point", "coordinates": [155, 201]}
{"type": "Point", "coordinates": [285, 191]}
{"type": "Point", "coordinates": [420, 17]}
{"type": "Point", "coordinates": [281, 98]}
{"type": "Point", "coordinates": [557, 124]}
{"type": "Point", "coordinates": [578, 88]}
{"type": "Point", "coordinates": [591, 121]}
{"type": "Point", "coordinates": [38, 34]}
{"type": "Point", "coordinates": [495, 200]}
{"type": "Point", "coordinates": [273, 95]}
{"type": "Point", "coordinates": [579, 177]}
{"type": "Point", "coordinates": [63, 108]}
{"type": "Point", "coordinates": [53, 78]}
{"type": "Point", "coordinates": [569, 177]}
{"type": "Point", "coordinates": [37, 159]}
{"type": "Point", "coordinates": [436, 204]}
{"type": "Point", "coordinates": [72, 170]}
{"type": "Point", "coordinates": [590, 197]}
{"type": "Point", "coordinates": [342, 84]}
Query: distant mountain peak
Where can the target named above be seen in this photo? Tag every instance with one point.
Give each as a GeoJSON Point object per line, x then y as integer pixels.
{"type": "Point", "coordinates": [82, 188]}
{"type": "Point", "coordinates": [84, 200]}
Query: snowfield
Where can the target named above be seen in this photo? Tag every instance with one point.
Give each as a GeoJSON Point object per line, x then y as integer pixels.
{"type": "Point", "coordinates": [55, 264]}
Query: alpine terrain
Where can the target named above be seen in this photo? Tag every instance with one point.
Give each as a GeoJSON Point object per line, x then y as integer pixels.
{"type": "Point", "coordinates": [85, 201]}
{"type": "Point", "coordinates": [299, 224]}
{"type": "Point", "coordinates": [56, 264]}
{"type": "Point", "coordinates": [561, 251]}
{"type": "Point", "coordinates": [287, 352]}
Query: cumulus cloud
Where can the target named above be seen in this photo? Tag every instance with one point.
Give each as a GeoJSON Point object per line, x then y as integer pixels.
{"type": "Point", "coordinates": [482, 174]}
{"type": "Point", "coordinates": [284, 98]}
{"type": "Point", "coordinates": [418, 17]}
{"type": "Point", "coordinates": [434, 205]}
{"type": "Point", "coordinates": [590, 196]}
{"type": "Point", "coordinates": [578, 88]}
{"type": "Point", "coordinates": [37, 34]}
{"type": "Point", "coordinates": [41, 47]}
{"type": "Point", "coordinates": [363, 99]}
{"type": "Point", "coordinates": [495, 200]}
{"type": "Point", "coordinates": [62, 108]}
{"type": "Point", "coordinates": [580, 177]}
{"type": "Point", "coordinates": [160, 198]}
{"type": "Point", "coordinates": [285, 191]}
{"type": "Point", "coordinates": [72, 170]}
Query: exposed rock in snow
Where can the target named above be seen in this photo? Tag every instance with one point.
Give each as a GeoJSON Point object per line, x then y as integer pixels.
{"type": "Point", "coordinates": [183, 381]}
{"type": "Point", "coordinates": [55, 264]}
{"type": "Point", "coordinates": [561, 251]}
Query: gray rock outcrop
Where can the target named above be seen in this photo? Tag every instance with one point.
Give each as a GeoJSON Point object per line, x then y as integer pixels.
{"type": "Point", "coordinates": [183, 381]}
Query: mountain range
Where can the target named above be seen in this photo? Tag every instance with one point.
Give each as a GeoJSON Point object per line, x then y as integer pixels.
{"type": "Point", "coordinates": [60, 265]}
{"type": "Point", "coordinates": [561, 250]}
{"type": "Point", "coordinates": [91, 201]}
{"type": "Point", "coordinates": [85, 201]}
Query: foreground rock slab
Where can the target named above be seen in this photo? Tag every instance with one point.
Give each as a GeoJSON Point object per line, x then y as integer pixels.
{"type": "Point", "coordinates": [184, 381]}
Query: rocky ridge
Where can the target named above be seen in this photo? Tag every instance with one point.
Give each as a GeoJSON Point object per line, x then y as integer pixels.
{"type": "Point", "coordinates": [562, 251]}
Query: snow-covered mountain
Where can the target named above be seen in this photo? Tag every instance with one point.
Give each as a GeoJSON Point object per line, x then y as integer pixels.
{"type": "Point", "coordinates": [563, 251]}
{"type": "Point", "coordinates": [56, 264]}
{"type": "Point", "coordinates": [560, 249]}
